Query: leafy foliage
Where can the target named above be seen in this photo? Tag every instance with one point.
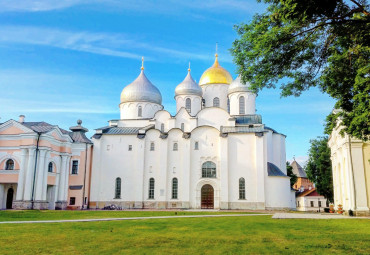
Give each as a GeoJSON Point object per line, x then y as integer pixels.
{"type": "Point", "coordinates": [318, 168]}
{"type": "Point", "coordinates": [293, 177]}
{"type": "Point", "coordinates": [303, 44]}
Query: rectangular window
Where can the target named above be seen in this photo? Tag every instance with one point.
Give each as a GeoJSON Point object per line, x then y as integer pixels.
{"type": "Point", "coordinates": [196, 146]}
{"type": "Point", "coordinates": [85, 202]}
{"type": "Point", "coordinates": [312, 204]}
{"type": "Point", "coordinates": [72, 201]}
{"type": "Point", "coordinates": [130, 147]}
{"type": "Point", "coordinates": [151, 188]}
{"type": "Point", "coordinates": [75, 167]}
{"type": "Point", "coordinates": [319, 203]}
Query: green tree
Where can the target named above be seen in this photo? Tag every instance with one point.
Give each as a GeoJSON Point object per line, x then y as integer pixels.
{"type": "Point", "coordinates": [302, 44]}
{"type": "Point", "coordinates": [318, 168]}
{"type": "Point", "coordinates": [293, 177]}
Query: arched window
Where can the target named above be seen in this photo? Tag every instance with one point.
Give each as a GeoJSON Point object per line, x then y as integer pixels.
{"type": "Point", "coordinates": [162, 127]}
{"type": "Point", "coordinates": [182, 126]}
{"type": "Point", "coordinates": [152, 146]}
{"type": "Point", "coordinates": [117, 193]}
{"type": "Point", "coordinates": [196, 146]}
{"type": "Point", "coordinates": [216, 102]}
{"type": "Point", "coordinates": [9, 165]}
{"type": "Point", "coordinates": [174, 188]}
{"type": "Point", "coordinates": [140, 112]}
{"type": "Point", "coordinates": [188, 105]}
{"type": "Point", "coordinates": [151, 188]}
{"type": "Point", "coordinates": [175, 146]}
{"type": "Point", "coordinates": [241, 188]}
{"type": "Point", "coordinates": [209, 170]}
{"type": "Point", "coordinates": [241, 105]}
{"type": "Point", "coordinates": [228, 105]}
{"type": "Point", "coordinates": [50, 167]}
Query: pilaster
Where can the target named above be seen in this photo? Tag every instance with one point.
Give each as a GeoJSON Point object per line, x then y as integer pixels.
{"type": "Point", "coordinates": [22, 175]}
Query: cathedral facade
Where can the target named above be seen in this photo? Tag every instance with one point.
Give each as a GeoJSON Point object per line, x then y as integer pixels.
{"type": "Point", "coordinates": [215, 152]}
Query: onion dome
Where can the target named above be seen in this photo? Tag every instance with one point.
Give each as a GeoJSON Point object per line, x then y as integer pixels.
{"type": "Point", "coordinates": [141, 90]}
{"type": "Point", "coordinates": [215, 74]}
{"type": "Point", "coordinates": [238, 86]}
{"type": "Point", "coordinates": [188, 87]}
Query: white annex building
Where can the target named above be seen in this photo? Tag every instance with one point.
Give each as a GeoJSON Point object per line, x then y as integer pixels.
{"type": "Point", "coordinates": [214, 153]}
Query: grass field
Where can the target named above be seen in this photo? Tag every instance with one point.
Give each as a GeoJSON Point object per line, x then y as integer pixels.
{"type": "Point", "coordinates": [24, 215]}
{"type": "Point", "coordinates": [227, 235]}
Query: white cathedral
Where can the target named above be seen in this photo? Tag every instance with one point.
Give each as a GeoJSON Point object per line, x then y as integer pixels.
{"type": "Point", "coordinates": [214, 153]}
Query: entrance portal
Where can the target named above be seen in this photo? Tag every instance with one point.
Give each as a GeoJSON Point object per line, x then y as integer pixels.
{"type": "Point", "coordinates": [9, 199]}
{"type": "Point", "coordinates": [207, 196]}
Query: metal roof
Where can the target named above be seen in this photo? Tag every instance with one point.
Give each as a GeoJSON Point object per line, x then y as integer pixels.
{"type": "Point", "coordinates": [273, 170]}
{"type": "Point", "coordinates": [298, 170]}
{"type": "Point", "coordinates": [44, 127]}
{"type": "Point", "coordinates": [242, 129]}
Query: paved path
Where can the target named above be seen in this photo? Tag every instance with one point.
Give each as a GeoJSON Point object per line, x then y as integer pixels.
{"type": "Point", "coordinates": [132, 218]}
{"type": "Point", "coordinates": [313, 216]}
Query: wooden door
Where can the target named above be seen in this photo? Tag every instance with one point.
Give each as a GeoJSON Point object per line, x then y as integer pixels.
{"type": "Point", "coordinates": [207, 197]}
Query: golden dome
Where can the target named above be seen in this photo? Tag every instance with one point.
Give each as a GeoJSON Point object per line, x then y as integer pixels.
{"type": "Point", "coordinates": [215, 74]}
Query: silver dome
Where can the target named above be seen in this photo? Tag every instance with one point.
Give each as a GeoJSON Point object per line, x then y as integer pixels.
{"type": "Point", "coordinates": [188, 87]}
{"type": "Point", "coordinates": [141, 90]}
{"type": "Point", "coordinates": [238, 86]}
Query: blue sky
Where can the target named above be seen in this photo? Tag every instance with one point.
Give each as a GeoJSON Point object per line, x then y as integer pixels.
{"type": "Point", "coordinates": [70, 59]}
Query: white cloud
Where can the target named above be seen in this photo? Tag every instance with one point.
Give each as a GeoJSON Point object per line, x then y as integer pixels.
{"type": "Point", "coordinates": [167, 7]}
{"type": "Point", "coordinates": [110, 44]}
{"type": "Point", "coordinates": [37, 6]}
{"type": "Point", "coordinates": [302, 160]}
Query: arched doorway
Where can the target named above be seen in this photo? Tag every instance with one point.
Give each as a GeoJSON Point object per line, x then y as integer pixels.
{"type": "Point", "coordinates": [207, 196]}
{"type": "Point", "coordinates": [9, 199]}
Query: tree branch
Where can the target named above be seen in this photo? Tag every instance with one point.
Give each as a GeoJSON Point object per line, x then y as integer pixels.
{"type": "Point", "coordinates": [361, 7]}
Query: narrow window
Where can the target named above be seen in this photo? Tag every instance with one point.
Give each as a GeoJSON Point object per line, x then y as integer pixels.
{"type": "Point", "coordinates": [130, 147]}
{"type": "Point", "coordinates": [9, 165]}
{"type": "Point", "coordinates": [85, 201]}
{"type": "Point", "coordinates": [50, 167]}
{"type": "Point", "coordinates": [319, 203]}
{"type": "Point", "coordinates": [241, 188]}
{"type": "Point", "coordinates": [312, 204]}
{"type": "Point", "coordinates": [140, 111]}
{"type": "Point", "coordinates": [174, 188]}
{"type": "Point", "coordinates": [117, 193]}
{"type": "Point", "coordinates": [196, 146]}
{"type": "Point", "coordinates": [297, 203]}
{"type": "Point", "coordinates": [75, 167]}
{"type": "Point", "coordinates": [228, 105]}
{"type": "Point", "coordinates": [182, 126]}
{"type": "Point", "coordinates": [188, 105]}
{"type": "Point", "coordinates": [209, 170]}
{"type": "Point", "coordinates": [152, 146]}
{"type": "Point", "coordinates": [151, 188]}
{"type": "Point", "coordinates": [72, 200]}
{"type": "Point", "coordinates": [216, 102]}
{"type": "Point", "coordinates": [175, 146]}
{"type": "Point", "coordinates": [162, 127]}
{"type": "Point", "coordinates": [241, 105]}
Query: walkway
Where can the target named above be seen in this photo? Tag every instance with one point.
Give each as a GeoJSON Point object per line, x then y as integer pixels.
{"type": "Point", "coordinates": [132, 218]}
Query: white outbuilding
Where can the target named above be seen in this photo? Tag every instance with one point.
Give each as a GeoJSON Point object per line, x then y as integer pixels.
{"type": "Point", "coordinates": [214, 153]}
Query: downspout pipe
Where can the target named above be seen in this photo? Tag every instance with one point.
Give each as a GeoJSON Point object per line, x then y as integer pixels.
{"type": "Point", "coordinates": [34, 172]}
{"type": "Point", "coordinates": [84, 188]}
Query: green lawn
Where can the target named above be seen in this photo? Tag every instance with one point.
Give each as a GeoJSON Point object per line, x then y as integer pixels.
{"type": "Point", "coordinates": [10, 215]}
{"type": "Point", "coordinates": [227, 235]}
